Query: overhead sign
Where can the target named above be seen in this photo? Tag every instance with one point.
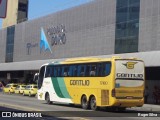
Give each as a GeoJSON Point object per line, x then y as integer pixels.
{"type": "Point", "coordinates": [3, 8]}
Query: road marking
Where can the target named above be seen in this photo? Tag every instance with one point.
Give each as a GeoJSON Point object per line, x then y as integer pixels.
{"type": "Point", "coordinates": [18, 107]}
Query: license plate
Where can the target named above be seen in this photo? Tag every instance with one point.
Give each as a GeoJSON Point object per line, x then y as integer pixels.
{"type": "Point", "coordinates": [129, 97]}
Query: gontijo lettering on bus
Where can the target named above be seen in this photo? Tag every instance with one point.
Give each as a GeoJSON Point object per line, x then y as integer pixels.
{"type": "Point", "coordinates": [80, 82]}
{"type": "Point", "coordinates": [133, 76]}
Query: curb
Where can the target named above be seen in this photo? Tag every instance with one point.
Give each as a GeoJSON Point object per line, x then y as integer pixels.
{"type": "Point", "coordinates": [150, 108]}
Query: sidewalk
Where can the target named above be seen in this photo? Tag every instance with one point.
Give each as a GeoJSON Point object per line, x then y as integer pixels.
{"type": "Point", "coordinates": [147, 107]}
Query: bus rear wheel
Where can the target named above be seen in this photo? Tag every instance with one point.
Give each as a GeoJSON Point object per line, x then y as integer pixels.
{"type": "Point", "coordinates": [84, 102]}
{"type": "Point", "coordinates": [93, 104]}
{"type": "Point", "coordinates": [47, 98]}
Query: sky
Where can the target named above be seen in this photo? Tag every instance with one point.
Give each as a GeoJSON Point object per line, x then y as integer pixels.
{"type": "Point", "coordinates": [39, 8]}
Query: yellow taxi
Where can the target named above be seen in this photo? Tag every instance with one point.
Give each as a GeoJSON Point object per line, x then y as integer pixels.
{"type": "Point", "coordinates": [30, 90]}
{"type": "Point", "coordinates": [9, 88]}
{"type": "Point", "coordinates": [19, 89]}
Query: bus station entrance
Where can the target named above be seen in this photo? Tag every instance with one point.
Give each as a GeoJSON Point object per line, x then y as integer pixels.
{"type": "Point", "coordinates": [153, 84]}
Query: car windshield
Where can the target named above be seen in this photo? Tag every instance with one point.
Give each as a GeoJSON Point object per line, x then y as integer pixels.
{"type": "Point", "coordinates": [26, 87]}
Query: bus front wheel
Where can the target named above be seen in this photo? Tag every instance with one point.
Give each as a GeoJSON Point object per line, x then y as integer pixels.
{"type": "Point", "coordinates": [47, 98]}
{"type": "Point", "coordinates": [84, 102]}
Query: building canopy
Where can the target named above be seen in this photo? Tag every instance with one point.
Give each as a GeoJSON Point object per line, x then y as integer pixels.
{"type": "Point", "coordinates": [24, 65]}
{"type": "Point", "coordinates": [151, 59]}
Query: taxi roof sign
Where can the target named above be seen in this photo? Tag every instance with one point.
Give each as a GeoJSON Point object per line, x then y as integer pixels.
{"type": "Point", "coordinates": [3, 8]}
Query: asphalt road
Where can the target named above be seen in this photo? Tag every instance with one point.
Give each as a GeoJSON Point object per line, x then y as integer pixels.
{"type": "Point", "coordinates": [22, 104]}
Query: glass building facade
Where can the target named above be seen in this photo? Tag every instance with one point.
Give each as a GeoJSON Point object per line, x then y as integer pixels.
{"type": "Point", "coordinates": [127, 26]}
{"type": "Point", "coordinates": [10, 44]}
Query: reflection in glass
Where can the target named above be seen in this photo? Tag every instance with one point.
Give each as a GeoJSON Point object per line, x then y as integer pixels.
{"type": "Point", "coordinates": [10, 44]}
{"type": "Point", "coordinates": [121, 14]}
{"type": "Point", "coordinates": [122, 3]}
{"type": "Point", "coordinates": [127, 26]}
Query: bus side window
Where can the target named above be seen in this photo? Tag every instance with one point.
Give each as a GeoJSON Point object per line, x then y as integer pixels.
{"type": "Point", "coordinates": [48, 71]}
{"type": "Point", "coordinates": [93, 70]}
{"type": "Point", "coordinates": [99, 69]}
{"type": "Point", "coordinates": [82, 72]}
{"type": "Point", "coordinates": [59, 71]}
{"type": "Point", "coordinates": [55, 71]}
{"type": "Point", "coordinates": [107, 69]}
{"type": "Point", "coordinates": [87, 70]}
{"type": "Point", "coordinates": [52, 71]}
{"type": "Point", "coordinates": [79, 70]}
{"type": "Point", "coordinates": [74, 70]}
{"type": "Point", "coordinates": [103, 71]}
{"type": "Point", "coordinates": [65, 71]}
{"type": "Point", "coordinates": [70, 71]}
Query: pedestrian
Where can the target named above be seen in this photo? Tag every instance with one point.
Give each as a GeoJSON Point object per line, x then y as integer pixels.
{"type": "Point", "coordinates": [146, 94]}
{"type": "Point", "coordinates": [3, 83]}
{"type": "Point", "coordinates": [156, 94]}
{"type": "Point", "coordinates": [1, 86]}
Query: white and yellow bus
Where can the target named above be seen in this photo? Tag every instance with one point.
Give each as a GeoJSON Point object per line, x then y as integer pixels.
{"type": "Point", "coordinates": [93, 82]}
